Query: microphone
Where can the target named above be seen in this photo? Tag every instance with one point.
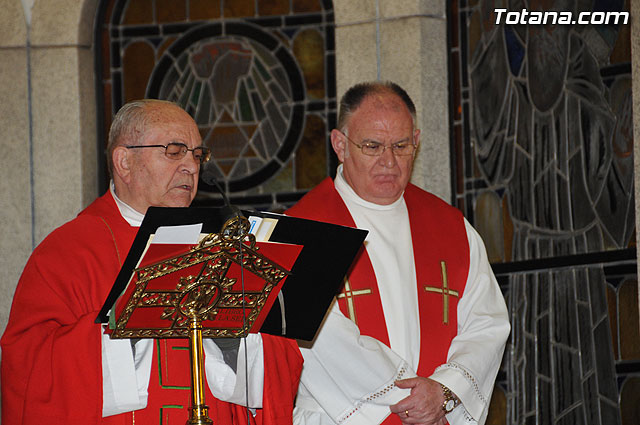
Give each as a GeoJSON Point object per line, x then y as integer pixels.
{"type": "Point", "coordinates": [228, 211]}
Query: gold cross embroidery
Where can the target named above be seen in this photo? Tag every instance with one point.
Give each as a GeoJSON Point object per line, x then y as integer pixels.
{"type": "Point", "coordinates": [445, 291]}
{"type": "Point", "coordinates": [348, 294]}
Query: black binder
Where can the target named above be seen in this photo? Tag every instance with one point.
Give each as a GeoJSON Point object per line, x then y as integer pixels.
{"type": "Point", "coordinates": [317, 275]}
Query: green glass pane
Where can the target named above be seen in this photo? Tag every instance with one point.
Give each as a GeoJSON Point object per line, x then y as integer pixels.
{"type": "Point", "coordinates": [263, 71]}
{"type": "Point", "coordinates": [264, 93]}
{"type": "Point", "coordinates": [246, 114]}
{"type": "Point", "coordinates": [195, 95]}
{"type": "Point", "coordinates": [266, 56]}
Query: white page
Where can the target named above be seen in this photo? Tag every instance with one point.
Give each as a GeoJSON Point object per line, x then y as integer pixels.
{"type": "Point", "coordinates": [187, 234]}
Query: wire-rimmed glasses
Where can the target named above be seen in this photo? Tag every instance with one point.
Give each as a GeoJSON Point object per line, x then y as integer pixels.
{"type": "Point", "coordinates": [177, 150]}
{"type": "Point", "coordinates": [402, 148]}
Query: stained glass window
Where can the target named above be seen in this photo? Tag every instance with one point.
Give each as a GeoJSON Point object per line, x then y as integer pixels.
{"type": "Point", "coordinates": [541, 131]}
{"type": "Point", "coordinates": [257, 76]}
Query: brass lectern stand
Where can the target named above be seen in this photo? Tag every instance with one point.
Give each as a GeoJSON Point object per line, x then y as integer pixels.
{"type": "Point", "coordinates": [219, 290]}
{"type": "Point", "coordinates": [199, 411]}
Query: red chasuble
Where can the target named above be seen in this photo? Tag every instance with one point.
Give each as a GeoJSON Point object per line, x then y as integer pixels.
{"type": "Point", "coordinates": [441, 254]}
{"type": "Point", "coordinates": [51, 349]}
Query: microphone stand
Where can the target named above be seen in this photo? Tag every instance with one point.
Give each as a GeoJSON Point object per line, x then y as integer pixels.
{"type": "Point", "coordinates": [232, 214]}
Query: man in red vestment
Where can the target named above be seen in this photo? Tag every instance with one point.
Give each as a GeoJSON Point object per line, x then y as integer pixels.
{"type": "Point", "coordinates": [57, 365]}
{"type": "Point", "coordinates": [418, 332]}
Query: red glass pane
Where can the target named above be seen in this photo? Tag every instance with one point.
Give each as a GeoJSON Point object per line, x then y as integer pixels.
{"type": "Point", "coordinates": [139, 12]}
{"type": "Point", "coordinates": [273, 7]}
{"type": "Point", "coordinates": [613, 319]}
{"type": "Point", "coordinates": [628, 317]}
{"type": "Point", "coordinates": [137, 64]}
{"type": "Point", "coordinates": [204, 9]}
{"type": "Point", "coordinates": [497, 408]}
{"type": "Point", "coordinates": [307, 6]}
{"type": "Point", "coordinates": [171, 10]}
{"type": "Point", "coordinates": [629, 401]}
{"type": "Point", "coordinates": [239, 8]}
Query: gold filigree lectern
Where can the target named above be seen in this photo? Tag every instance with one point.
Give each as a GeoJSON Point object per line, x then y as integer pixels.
{"type": "Point", "coordinates": [160, 288]}
{"type": "Point", "coordinates": [222, 287]}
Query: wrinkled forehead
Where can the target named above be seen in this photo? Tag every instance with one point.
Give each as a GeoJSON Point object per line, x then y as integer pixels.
{"type": "Point", "coordinates": [162, 113]}
{"type": "Point", "coordinates": [172, 123]}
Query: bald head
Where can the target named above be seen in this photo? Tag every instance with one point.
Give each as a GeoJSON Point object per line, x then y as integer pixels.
{"type": "Point", "coordinates": [354, 97]}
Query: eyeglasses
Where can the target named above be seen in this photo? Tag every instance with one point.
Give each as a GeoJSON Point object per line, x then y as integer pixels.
{"type": "Point", "coordinates": [377, 149]}
{"type": "Point", "coordinates": [175, 150]}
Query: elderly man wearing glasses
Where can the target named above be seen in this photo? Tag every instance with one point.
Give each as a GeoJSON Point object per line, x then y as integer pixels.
{"type": "Point", "coordinates": [418, 332]}
{"type": "Point", "coordinates": [58, 366]}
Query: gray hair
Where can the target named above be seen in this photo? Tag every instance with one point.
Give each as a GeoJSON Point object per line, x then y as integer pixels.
{"type": "Point", "coordinates": [130, 123]}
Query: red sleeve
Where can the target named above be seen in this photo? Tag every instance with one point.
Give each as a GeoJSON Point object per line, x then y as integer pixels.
{"type": "Point", "coordinates": [51, 350]}
{"type": "Point", "coordinates": [282, 368]}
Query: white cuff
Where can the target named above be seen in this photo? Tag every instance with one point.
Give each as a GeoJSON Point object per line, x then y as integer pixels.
{"type": "Point", "coordinates": [125, 380]}
{"type": "Point", "coordinates": [224, 384]}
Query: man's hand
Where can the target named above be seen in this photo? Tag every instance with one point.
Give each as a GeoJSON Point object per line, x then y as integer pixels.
{"type": "Point", "coordinates": [424, 405]}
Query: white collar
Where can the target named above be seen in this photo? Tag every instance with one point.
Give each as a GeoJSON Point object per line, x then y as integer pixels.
{"type": "Point", "coordinates": [133, 217]}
